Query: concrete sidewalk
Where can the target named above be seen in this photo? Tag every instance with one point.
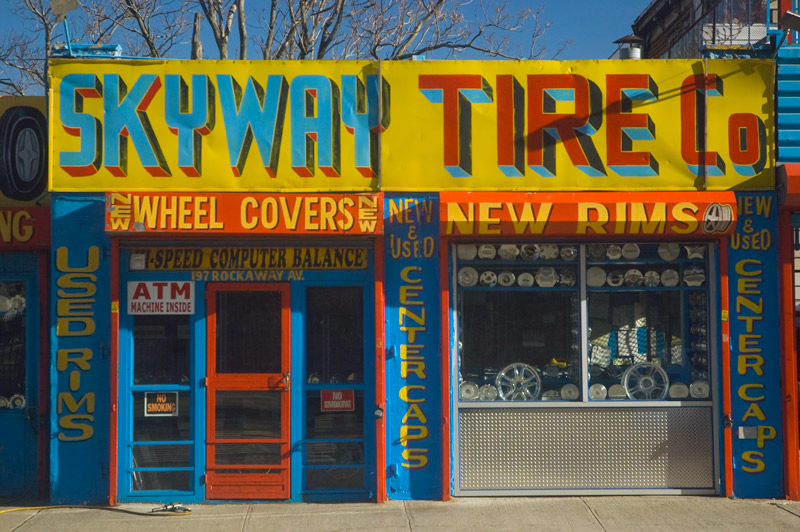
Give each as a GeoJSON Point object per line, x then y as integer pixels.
{"type": "Point", "coordinates": [601, 514]}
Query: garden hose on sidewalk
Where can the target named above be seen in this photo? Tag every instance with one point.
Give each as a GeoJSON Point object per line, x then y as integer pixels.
{"type": "Point", "coordinates": [167, 509]}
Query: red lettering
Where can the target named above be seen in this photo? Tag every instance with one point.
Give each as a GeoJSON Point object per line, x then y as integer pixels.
{"type": "Point", "coordinates": [510, 126]}
{"type": "Point", "coordinates": [160, 289]}
{"type": "Point", "coordinates": [693, 148]}
{"type": "Point", "coordinates": [180, 289]}
{"type": "Point", "coordinates": [624, 126]}
{"type": "Point", "coordinates": [747, 143]}
{"type": "Point", "coordinates": [456, 93]}
{"type": "Point", "coordinates": [141, 291]}
{"type": "Point", "coordinates": [573, 130]}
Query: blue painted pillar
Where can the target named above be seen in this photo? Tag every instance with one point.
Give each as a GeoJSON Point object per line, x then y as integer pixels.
{"type": "Point", "coordinates": [80, 339]}
{"type": "Point", "coordinates": [413, 361]}
{"type": "Point", "coordinates": [755, 348]}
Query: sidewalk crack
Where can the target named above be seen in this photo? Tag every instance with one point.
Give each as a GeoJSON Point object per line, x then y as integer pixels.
{"type": "Point", "coordinates": [19, 526]}
{"type": "Point", "coordinates": [247, 517]}
{"type": "Point", "coordinates": [782, 507]}
{"type": "Point", "coordinates": [594, 514]}
{"type": "Point", "coordinates": [408, 518]}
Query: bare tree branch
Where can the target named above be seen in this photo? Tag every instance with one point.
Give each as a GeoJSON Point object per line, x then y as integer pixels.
{"type": "Point", "coordinates": [151, 28]}
{"type": "Point", "coordinates": [399, 29]}
{"type": "Point", "coordinates": [330, 28]}
{"type": "Point", "coordinates": [285, 29]}
{"type": "Point", "coordinates": [242, 30]}
{"type": "Point", "coordinates": [20, 65]}
{"type": "Point", "coordinates": [197, 44]}
{"type": "Point", "coordinates": [214, 11]}
{"type": "Point", "coordinates": [148, 27]}
{"type": "Point", "coordinates": [23, 53]}
{"type": "Point", "coordinates": [132, 10]}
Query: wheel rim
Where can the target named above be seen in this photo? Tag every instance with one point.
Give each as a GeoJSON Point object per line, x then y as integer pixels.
{"type": "Point", "coordinates": [27, 156]}
{"type": "Point", "coordinates": [518, 382]}
{"type": "Point", "coordinates": [645, 381]}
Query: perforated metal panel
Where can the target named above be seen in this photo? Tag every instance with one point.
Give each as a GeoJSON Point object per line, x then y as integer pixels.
{"type": "Point", "coordinates": [581, 449]}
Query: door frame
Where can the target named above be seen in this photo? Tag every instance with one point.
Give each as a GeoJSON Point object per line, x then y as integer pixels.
{"type": "Point", "coordinates": [240, 485]}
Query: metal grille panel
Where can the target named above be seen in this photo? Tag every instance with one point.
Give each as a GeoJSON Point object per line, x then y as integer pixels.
{"type": "Point", "coordinates": [592, 448]}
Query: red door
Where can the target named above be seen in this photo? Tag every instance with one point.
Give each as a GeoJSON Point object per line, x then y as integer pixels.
{"type": "Point", "coordinates": [247, 453]}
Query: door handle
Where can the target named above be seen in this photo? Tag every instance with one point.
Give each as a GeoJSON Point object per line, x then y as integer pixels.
{"type": "Point", "coordinates": [285, 382]}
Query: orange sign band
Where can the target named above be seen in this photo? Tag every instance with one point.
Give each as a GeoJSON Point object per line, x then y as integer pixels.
{"type": "Point", "coordinates": [243, 213]}
{"type": "Point", "coordinates": [679, 214]}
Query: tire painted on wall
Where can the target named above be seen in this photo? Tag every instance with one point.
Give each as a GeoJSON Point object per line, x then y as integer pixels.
{"type": "Point", "coordinates": [23, 153]}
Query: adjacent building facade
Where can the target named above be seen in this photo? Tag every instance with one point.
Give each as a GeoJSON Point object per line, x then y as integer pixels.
{"type": "Point", "coordinates": [750, 28]}
{"type": "Point", "coordinates": [24, 293]}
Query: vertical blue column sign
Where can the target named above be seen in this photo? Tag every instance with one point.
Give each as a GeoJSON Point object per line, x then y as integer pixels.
{"type": "Point", "coordinates": [80, 340]}
{"type": "Point", "coordinates": [755, 349]}
{"type": "Point", "coordinates": [413, 363]}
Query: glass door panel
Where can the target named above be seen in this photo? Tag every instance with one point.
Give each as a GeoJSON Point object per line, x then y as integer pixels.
{"type": "Point", "coordinates": [160, 444]}
{"type": "Point", "coordinates": [334, 452]}
{"type": "Point", "coordinates": [248, 392]}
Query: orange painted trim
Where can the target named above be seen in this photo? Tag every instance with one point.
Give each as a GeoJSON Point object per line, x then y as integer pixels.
{"type": "Point", "coordinates": [788, 177]}
{"type": "Point", "coordinates": [727, 431]}
{"type": "Point", "coordinates": [684, 215]}
{"type": "Point", "coordinates": [444, 247]}
{"type": "Point", "coordinates": [380, 371]}
{"type": "Point", "coordinates": [243, 213]}
{"type": "Point", "coordinates": [44, 374]}
{"type": "Point", "coordinates": [114, 383]}
{"type": "Point", "coordinates": [791, 466]}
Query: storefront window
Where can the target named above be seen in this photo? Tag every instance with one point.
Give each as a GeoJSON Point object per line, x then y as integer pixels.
{"type": "Point", "coordinates": [247, 412]}
{"type": "Point", "coordinates": [162, 480]}
{"type": "Point", "coordinates": [334, 449]}
{"type": "Point", "coordinates": [520, 326]}
{"type": "Point", "coordinates": [12, 344]}
{"type": "Point", "coordinates": [156, 452]}
{"type": "Point", "coordinates": [516, 347]}
{"type": "Point", "coordinates": [156, 426]}
{"type": "Point", "coordinates": [327, 424]}
{"type": "Point", "coordinates": [161, 445]}
{"type": "Point", "coordinates": [648, 321]}
{"type": "Point", "coordinates": [335, 334]}
{"type": "Point", "coordinates": [244, 320]}
{"type": "Point", "coordinates": [255, 414]}
{"type": "Point", "coordinates": [334, 437]}
{"type": "Point", "coordinates": [161, 349]}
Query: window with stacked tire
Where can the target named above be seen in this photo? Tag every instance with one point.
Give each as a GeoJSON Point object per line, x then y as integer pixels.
{"type": "Point", "coordinates": [599, 322]}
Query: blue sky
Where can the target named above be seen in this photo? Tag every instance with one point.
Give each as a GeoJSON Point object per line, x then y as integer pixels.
{"type": "Point", "coordinates": [591, 25]}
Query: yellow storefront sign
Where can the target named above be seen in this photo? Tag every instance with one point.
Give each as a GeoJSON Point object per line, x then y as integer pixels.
{"type": "Point", "coordinates": [579, 125]}
{"type": "Point", "coordinates": [290, 126]}
{"type": "Point", "coordinates": [215, 125]}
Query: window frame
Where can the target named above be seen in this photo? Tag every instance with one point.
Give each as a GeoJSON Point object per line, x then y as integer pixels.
{"type": "Point", "coordinates": [710, 288]}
